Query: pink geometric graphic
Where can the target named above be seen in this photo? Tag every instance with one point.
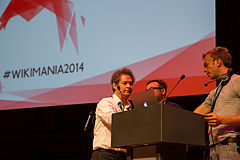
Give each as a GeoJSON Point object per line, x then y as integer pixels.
{"type": "Point", "coordinates": [163, 66]}
{"type": "Point", "coordinates": [0, 87]}
{"type": "Point", "coordinates": [73, 32]}
{"type": "Point", "coordinates": [83, 20]}
{"type": "Point", "coordinates": [63, 9]}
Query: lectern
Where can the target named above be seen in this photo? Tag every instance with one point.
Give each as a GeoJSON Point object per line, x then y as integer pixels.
{"type": "Point", "coordinates": [161, 129]}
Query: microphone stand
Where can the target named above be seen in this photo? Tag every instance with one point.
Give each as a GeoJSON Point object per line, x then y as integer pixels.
{"type": "Point", "coordinates": [182, 77]}
{"type": "Point", "coordinates": [90, 138]}
{"type": "Point", "coordinates": [89, 117]}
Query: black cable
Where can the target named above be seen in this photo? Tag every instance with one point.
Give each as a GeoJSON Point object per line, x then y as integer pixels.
{"type": "Point", "coordinates": [214, 145]}
{"type": "Point", "coordinates": [217, 93]}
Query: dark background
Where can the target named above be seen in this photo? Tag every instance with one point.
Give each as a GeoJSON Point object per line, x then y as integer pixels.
{"type": "Point", "coordinates": [56, 133]}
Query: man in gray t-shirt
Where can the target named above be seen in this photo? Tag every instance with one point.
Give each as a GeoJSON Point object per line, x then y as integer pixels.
{"type": "Point", "coordinates": [222, 106]}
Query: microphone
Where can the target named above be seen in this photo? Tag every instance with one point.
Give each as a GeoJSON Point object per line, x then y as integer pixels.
{"type": "Point", "coordinates": [181, 78]}
{"type": "Point", "coordinates": [90, 115]}
{"type": "Point", "coordinates": [118, 87]}
{"type": "Point", "coordinates": [206, 84]}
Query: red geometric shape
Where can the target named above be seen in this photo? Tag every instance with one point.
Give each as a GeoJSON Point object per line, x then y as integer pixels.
{"type": "Point", "coordinates": [73, 32]}
{"type": "Point", "coordinates": [83, 20]}
{"type": "Point", "coordinates": [27, 9]}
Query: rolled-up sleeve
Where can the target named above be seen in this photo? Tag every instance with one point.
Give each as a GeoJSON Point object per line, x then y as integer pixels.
{"type": "Point", "coordinates": [104, 112]}
{"type": "Point", "coordinates": [209, 100]}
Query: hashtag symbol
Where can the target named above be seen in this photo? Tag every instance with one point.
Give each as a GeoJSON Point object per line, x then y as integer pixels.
{"type": "Point", "coordinates": [6, 74]}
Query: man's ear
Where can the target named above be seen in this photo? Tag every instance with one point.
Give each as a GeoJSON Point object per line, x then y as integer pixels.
{"type": "Point", "coordinates": [219, 62]}
{"type": "Point", "coordinates": [163, 91]}
{"type": "Point", "coordinates": [115, 86]}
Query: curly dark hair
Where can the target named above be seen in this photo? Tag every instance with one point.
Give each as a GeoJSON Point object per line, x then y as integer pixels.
{"type": "Point", "coordinates": [117, 75]}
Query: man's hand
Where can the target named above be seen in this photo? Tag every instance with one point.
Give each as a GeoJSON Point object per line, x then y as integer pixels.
{"type": "Point", "coordinates": [213, 119]}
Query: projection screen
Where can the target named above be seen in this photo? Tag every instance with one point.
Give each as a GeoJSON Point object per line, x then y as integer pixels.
{"type": "Point", "coordinates": [61, 52]}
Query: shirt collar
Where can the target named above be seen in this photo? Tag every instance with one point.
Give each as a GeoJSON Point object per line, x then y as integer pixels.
{"type": "Point", "coordinates": [118, 101]}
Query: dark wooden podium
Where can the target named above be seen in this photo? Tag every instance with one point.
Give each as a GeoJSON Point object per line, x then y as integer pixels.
{"type": "Point", "coordinates": [157, 132]}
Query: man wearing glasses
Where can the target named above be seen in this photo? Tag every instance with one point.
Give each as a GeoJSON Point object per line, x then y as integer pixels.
{"type": "Point", "coordinates": [160, 90]}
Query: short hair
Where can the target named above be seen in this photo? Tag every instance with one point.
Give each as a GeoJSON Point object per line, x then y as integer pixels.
{"type": "Point", "coordinates": [118, 73]}
{"type": "Point", "coordinates": [160, 82]}
{"type": "Point", "coordinates": [221, 53]}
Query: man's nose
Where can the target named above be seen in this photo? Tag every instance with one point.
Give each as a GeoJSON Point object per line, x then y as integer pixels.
{"type": "Point", "coordinates": [204, 69]}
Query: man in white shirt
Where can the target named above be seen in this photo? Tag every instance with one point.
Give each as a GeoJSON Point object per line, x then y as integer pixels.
{"type": "Point", "coordinates": [122, 82]}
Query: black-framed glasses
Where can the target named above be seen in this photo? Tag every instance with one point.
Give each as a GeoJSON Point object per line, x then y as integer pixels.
{"type": "Point", "coordinates": [152, 88]}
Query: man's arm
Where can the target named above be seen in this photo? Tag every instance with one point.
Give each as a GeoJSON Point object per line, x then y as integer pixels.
{"type": "Point", "coordinates": [104, 112]}
{"type": "Point", "coordinates": [215, 120]}
{"type": "Point", "coordinates": [202, 110]}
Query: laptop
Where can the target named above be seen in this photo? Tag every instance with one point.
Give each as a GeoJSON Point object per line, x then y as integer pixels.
{"type": "Point", "coordinates": [144, 98]}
